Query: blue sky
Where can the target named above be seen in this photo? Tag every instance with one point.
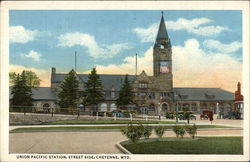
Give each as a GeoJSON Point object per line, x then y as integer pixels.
{"type": "Point", "coordinates": [41, 39]}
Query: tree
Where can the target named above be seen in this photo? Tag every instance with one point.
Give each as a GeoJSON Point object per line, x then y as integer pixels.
{"type": "Point", "coordinates": [68, 94]}
{"type": "Point", "coordinates": [126, 94]}
{"type": "Point", "coordinates": [94, 90]}
{"type": "Point", "coordinates": [31, 77]}
{"type": "Point", "coordinates": [21, 91]}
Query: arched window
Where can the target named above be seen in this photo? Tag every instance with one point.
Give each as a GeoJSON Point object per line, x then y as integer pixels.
{"type": "Point", "coordinates": [164, 107]}
{"type": "Point", "coordinates": [113, 107]}
{"type": "Point", "coordinates": [162, 46]}
{"type": "Point", "coordinates": [194, 107]}
{"type": "Point", "coordinates": [103, 107]}
{"type": "Point", "coordinates": [186, 107]}
{"type": "Point", "coordinates": [151, 107]}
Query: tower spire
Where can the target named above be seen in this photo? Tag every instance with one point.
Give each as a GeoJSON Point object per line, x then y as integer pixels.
{"type": "Point", "coordinates": [162, 31]}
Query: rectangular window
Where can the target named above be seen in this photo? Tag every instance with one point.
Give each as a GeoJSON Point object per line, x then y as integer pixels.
{"type": "Point", "coordinates": [143, 85]}
{"type": "Point", "coordinates": [163, 94]}
{"type": "Point", "coordinates": [142, 94]}
{"type": "Point", "coordinates": [112, 94]}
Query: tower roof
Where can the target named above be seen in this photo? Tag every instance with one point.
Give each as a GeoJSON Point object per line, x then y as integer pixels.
{"type": "Point", "coordinates": [162, 32]}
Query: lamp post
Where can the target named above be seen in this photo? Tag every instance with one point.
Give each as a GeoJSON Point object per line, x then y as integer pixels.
{"type": "Point", "coordinates": [176, 108]}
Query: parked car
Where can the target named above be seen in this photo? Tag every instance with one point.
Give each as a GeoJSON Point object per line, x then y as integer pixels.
{"type": "Point", "coordinates": [119, 114]}
{"type": "Point", "coordinates": [205, 114]}
{"type": "Point", "coordinates": [192, 117]}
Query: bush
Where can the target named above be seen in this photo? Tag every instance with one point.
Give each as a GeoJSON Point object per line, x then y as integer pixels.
{"type": "Point", "coordinates": [133, 132]}
{"type": "Point", "coordinates": [191, 130]}
{"type": "Point", "coordinates": [182, 131]}
{"type": "Point", "coordinates": [169, 115]}
{"type": "Point", "coordinates": [179, 131]}
{"type": "Point", "coordinates": [159, 130]}
{"type": "Point", "coordinates": [147, 131]}
{"type": "Point", "coordinates": [176, 130]}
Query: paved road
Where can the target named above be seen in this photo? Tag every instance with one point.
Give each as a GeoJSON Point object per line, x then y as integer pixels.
{"type": "Point", "coordinates": [82, 142]}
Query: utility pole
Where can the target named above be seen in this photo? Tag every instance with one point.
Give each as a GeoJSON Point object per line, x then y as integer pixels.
{"type": "Point", "coordinates": [75, 61]}
{"type": "Point", "coordinates": [136, 64]}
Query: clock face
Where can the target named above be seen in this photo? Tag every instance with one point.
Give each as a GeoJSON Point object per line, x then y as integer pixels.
{"type": "Point", "coordinates": [165, 66]}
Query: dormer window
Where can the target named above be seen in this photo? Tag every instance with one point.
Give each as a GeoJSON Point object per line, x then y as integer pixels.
{"type": "Point", "coordinates": [143, 85]}
{"type": "Point", "coordinates": [112, 94]}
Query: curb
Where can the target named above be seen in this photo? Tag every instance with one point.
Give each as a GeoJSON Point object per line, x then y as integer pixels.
{"type": "Point", "coordinates": [122, 149]}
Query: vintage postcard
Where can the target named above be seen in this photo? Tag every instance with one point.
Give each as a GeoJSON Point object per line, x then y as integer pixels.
{"type": "Point", "coordinates": [125, 81]}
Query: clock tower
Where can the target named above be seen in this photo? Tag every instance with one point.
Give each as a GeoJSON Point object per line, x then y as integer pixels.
{"type": "Point", "coordinates": [162, 59]}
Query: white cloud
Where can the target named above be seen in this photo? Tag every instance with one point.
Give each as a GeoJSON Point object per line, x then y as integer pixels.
{"type": "Point", "coordinates": [34, 55]}
{"type": "Point", "coordinates": [196, 26]}
{"type": "Point", "coordinates": [18, 34]}
{"type": "Point", "coordinates": [44, 75]}
{"type": "Point", "coordinates": [192, 67]}
{"type": "Point", "coordinates": [145, 62]}
{"type": "Point", "coordinates": [95, 50]}
{"type": "Point", "coordinates": [220, 47]}
{"type": "Point", "coordinates": [147, 34]}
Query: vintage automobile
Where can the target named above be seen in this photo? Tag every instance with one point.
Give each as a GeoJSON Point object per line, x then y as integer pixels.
{"type": "Point", "coordinates": [205, 114]}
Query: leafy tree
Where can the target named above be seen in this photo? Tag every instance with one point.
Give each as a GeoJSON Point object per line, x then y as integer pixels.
{"type": "Point", "coordinates": [21, 91]}
{"type": "Point", "coordinates": [69, 90]}
{"type": "Point", "coordinates": [182, 131]}
{"type": "Point", "coordinates": [31, 77]}
{"type": "Point", "coordinates": [94, 90]}
{"type": "Point", "coordinates": [126, 94]}
{"type": "Point", "coordinates": [12, 76]}
{"type": "Point", "coordinates": [147, 131]}
{"type": "Point", "coordinates": [191, 130]}
{"type": "Point", "coordinates": [176, 130]}
{"type": "Point", "coordinates": [159, 130]}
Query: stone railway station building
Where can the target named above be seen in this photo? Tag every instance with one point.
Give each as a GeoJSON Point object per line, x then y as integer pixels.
{"type": "Point", "coordinates": [154, 94]}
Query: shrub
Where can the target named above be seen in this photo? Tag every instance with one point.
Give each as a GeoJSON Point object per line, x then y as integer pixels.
{"type": "Point", "coordinates": [147, 131]}
{"type": "Point", "coordinates": [191, 130]}
{"type": "Point", "coordinates": [176, 130]}
{"type": "Point", "coordinates": [159, 130]}
{"type": "Point", "coordinates": [182, 131]}
{"type": "Point", "coordinates": [133, 132]}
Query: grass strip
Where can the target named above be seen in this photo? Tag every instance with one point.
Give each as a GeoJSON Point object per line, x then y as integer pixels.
{"type": "Point", "coordinates": [79, 128]}
{"type": "Point", "coordinates": [75, 121]}
{"type": "Point", "coordinates": [201, 145]}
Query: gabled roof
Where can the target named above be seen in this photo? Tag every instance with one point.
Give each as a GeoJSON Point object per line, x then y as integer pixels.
{"type": "Point", "coordinates": [41, 93]}
{"type": "Point", "coordinates": [108, 80]}
{"type": "Point", "coordinates": [203, 94]}
{"type": "Point", "coordinates": [162, 32]}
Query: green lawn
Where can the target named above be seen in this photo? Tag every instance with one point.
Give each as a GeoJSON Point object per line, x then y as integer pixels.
{"type": "Point", "coordinates": [201, 145]}
{"type": "Point", "coordinates": [79, 128]}
{"type": "Point", "coordinates": [75, 121]}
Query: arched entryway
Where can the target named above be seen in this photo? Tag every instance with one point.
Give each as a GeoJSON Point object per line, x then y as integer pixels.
{"type": "Point", "coordinates": [194, 107]}
{"type": "Point", "coordinates": [46, 107]}
{"type": "Point", "coordinates": [164, 108]}
{"type": "Point", "coordinates": [186, 107]}
{"type": "Point", "coordinates": [113, 107]}
{"type": "Point", "coordinates": [151, 109]}
{"type": "Point", "coordinates": [212, 107]}
{"type": "Point", "coordinates": [227, 108]}
{"type": "Point", "coordinates": [104, 107]}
